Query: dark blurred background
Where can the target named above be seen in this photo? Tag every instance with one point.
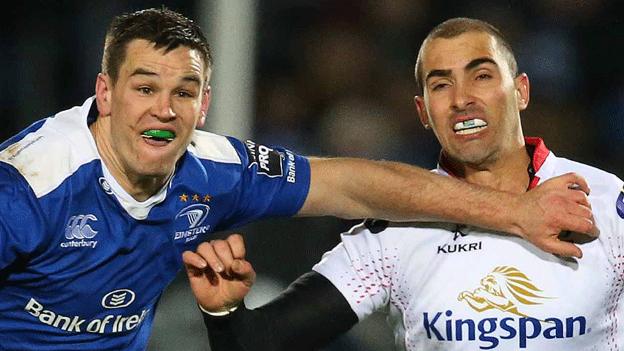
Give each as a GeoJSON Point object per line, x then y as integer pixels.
{"type": "Point", "coordinates": [328, 78]}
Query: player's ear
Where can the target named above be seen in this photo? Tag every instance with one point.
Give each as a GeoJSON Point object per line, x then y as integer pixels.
{"type": "Point", "coordinates": [522, 91]}
{"type": "Point", "coordinates": [205, 104]}
{"type": "Point", "coordinates": [419, 101]}
{"type": "Point", "coordinates": [103, 93]}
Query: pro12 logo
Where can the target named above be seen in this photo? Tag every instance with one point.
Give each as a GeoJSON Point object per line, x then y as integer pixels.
{"type": "Point", "coordinates": [268, 160]}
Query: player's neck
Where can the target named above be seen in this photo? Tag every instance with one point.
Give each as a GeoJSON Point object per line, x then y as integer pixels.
{"type": "Point", "coordinates": [140, 187]}
{"type": "Point", "coordinates": [507, 172]}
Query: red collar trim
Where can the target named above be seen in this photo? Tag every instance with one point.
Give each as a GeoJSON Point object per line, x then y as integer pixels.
{"type": "Point", "coordinates": [536, 148]}
{"type": "Point", "coordinates": [540, 151]}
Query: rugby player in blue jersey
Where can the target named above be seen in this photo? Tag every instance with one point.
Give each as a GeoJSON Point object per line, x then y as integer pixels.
{"type": "Point", "coordinates": [98, 202]}
{"type": "Point", "coordinates": [444, 286]}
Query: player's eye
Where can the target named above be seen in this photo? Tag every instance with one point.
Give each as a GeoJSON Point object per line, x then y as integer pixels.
{"type": "Point", "coordinates": [439, 86]}
{"type": "Point", "coordinates": [145, 90]}
{"type": "Point", "coordinates": [185, 94]}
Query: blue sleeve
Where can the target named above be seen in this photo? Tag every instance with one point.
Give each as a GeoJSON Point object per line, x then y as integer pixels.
{"type": "Point", "coordinates": [21, 220]}
{"type": "Point", "coordinates": [274, 182]}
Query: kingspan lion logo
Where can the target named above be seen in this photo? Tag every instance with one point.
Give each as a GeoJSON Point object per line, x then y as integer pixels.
{"type": "Point", "coordinates": [505, 289]}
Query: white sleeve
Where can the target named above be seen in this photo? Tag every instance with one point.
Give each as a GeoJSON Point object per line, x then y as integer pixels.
{"type": "Point", "coordinates": [612, 232]}
{"type": "Point", "coordinates": [613, 235]}
{"type": "Point", "coordinates": [360, 270]}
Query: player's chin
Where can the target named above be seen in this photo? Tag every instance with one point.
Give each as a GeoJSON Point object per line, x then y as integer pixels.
{"type": "Point", "coordinates": [161, 150]}
{"type": "Point", "coordinates": [161, 171]}
{"type": "Point", "coordinates": [157, 164]}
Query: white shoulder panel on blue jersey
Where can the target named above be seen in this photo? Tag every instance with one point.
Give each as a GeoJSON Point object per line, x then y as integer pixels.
{"type": "Point", "coordinates": [213, 147]}
{"type": "Point", "coordinates": [50, 154]}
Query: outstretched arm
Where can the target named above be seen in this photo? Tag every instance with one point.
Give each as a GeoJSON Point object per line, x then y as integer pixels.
{"type": "Point", "coordinates": [354, 188]}
{"type": "Point", "coordinates": [306, 316]}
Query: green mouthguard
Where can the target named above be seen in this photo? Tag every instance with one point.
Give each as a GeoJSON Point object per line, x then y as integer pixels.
{"type": "Point", "coordinates": [161, 134]}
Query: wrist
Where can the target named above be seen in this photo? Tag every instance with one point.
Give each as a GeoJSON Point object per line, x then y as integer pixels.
{"type": "Point", "coordinates": [511, 216]}
{"type": "Point", "coordinates": [224, 312]}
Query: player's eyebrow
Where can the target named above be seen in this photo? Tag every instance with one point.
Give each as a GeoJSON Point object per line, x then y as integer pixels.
{"type": "Point", "coordinates": [438, 73]}
{"type": "Point", "coordinates": [479, 61]}
{"type": "Point", "coordinates": [192, 78]}
{"type": "Point", "coordinates": [143, 71]}
{"type": "Point", "coordinates": [472, 64]}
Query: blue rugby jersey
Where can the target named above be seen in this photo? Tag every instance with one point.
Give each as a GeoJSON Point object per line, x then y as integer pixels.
{"type": "Point", "coordinates": [83, 264]}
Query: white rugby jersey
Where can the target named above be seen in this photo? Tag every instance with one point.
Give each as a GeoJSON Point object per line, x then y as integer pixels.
{"type": "Point", "coordinates": [83, 264]}
{"type": "Point", "coordinates": [450, 287]}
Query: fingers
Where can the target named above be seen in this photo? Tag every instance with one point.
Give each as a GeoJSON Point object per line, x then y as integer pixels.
{"type": "Point", "coordinates": [579, 197]}
{"type": "Point", "coordinates": [221, 254]}
{"type": "Point", "coordinates": [580, 210]}
{"type": "Point", "coordinates": [562, 248]}
{"type": "Point", "coordinates": [570, 180]}
{"type": "Point", "coordinates": [575, 181]}
{"type": "Point", "coordinates": [224, 254]}
{"type": "Point", "coordinates": [193, 261]}
{"type": "Point", "coordinates": [244, 271]}
{"type": "Point", "coordinates": [584, 220]}
{"type": "Point", "coordinates": [580, 217]}
{"type": "Point", "coordinates": [579, 182]}
{"type": "Point", "coordinates": [580, 224]}
{"type": "Point", "coordinates": [196, 267]}
{"type": "Point", "coordinates": [207, 252]}
{"type": "Point", "coordinates": [237, 245]}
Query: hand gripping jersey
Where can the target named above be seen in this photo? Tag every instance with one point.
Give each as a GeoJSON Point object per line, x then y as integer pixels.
{"type": "Point", "coordinates": [83, 264]}
{"type": "Point", "coordinates": [449, 287]}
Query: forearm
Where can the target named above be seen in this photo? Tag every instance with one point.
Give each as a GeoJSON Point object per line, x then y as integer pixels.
{"type": "Point", "coordinates": [399, 192]}
{"type": "Point", "coordinates": [306, 316]}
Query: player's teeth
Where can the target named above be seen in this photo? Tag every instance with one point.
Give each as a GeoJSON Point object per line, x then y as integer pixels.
{"type": "Point", "coordinates": [159, 133]}
{"type": "Point", "coordinates": [470, 130]}
{"type": "Point", "coordinates": [471, 123]}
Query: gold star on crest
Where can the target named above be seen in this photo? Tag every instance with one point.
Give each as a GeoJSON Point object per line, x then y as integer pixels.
{"type": "Point", "coordinates": [207, 198]}
{"type": "Point", "coordinates": [195, 197]}
{"type": "Point", "coordinates": [184, 197]}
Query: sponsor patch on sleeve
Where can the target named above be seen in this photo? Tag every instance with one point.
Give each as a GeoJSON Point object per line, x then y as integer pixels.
{"type": "Point", "coordinates": [268, 160]}
{"type": "Point", "coordinates": [619, 204]}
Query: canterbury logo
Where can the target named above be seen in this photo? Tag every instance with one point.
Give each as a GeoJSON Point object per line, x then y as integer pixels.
{"type": "Point", "coordinates": [505, 289]}
{"type": "Point", "coordinates": [78, 227]}
{"type": "Point", "coordinates": [195, 214]}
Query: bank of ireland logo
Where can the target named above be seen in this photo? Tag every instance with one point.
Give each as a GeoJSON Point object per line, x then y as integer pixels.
{"type": "Point", "coordinates": [506, 289]}
{"type": "Point", "coordinates": [118, 299]}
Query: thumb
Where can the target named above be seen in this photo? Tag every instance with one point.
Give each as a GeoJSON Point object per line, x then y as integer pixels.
{"type": "Point", "coordinates": [244, 270]}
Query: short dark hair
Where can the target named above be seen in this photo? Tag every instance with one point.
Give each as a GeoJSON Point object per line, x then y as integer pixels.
{"type": "Point", "coordinates": [456, 26]}
{"type": "Point", "coordinates": [163, 27]}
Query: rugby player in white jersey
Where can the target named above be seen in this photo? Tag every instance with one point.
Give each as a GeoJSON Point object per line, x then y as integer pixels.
{"type": "Point", "coordinates": [444, 286]}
